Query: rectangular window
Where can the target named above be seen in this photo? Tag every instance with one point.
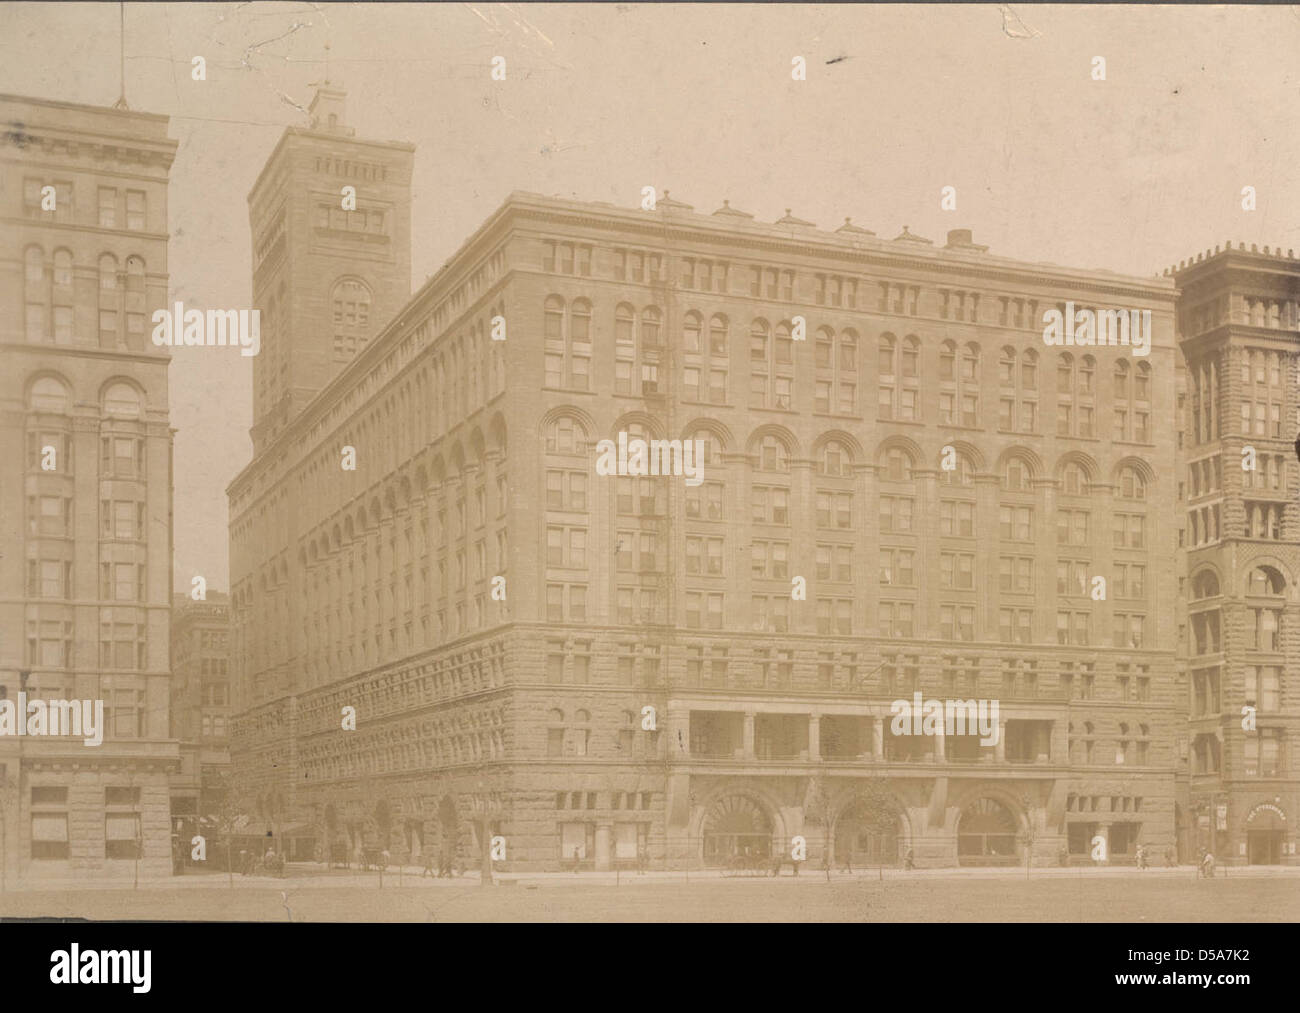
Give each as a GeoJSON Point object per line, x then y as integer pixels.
{"type": "Point", "coordinates": [107, 207]}
{"type": "Point", "coordinates": [49, 833]}
{"type": "Point", "coordinates": [135, 209]}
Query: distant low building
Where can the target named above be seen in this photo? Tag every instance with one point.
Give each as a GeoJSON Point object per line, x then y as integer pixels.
{"type": "Point", "coordinates": [200, 711]}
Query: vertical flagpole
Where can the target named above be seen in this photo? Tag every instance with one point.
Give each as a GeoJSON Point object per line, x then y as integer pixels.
{"type": "Point", "coordinates": [121, 25]}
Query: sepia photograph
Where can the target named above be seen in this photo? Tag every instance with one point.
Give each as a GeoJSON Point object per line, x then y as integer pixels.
{"type": "Point", "coordinates": [643, 463]}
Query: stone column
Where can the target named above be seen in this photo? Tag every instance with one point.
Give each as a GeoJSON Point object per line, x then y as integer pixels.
{"type": "Point", "coordinates": [748, 741]}
{"type": "Point", "coordinates": [1000, 747]}
{"type": "Point", "coordinates": [604, 846]}
{"type": "Point", "coordinates": [814, 737]}
{"type": "Point", "coordinates": [877, 738]}
{"type": "Point", "coordinates": [1059, 745]}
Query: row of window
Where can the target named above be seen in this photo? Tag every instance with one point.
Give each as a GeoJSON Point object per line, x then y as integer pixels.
{"type": "Point", "coordinates": [627, 800]}
{"type": "Point", "coordinates": [707, 274]}
{"type": "Point", "coordinates": [115, 208]}
{"type": "Point", "coordinates": [1262, 395]}
{"type": "Point", "coordinates": [1264, 631]}
{"type": "Point", "coordinates": [52, 578]}
{"type": "Point", "coordinates": [50, 309]}
{"type": "Point", "coordinates": [1262, 689]}
{"type": "Point", "coordinates": [832, 457]}
{"type": "Point", "coordinates": [1263, 754]}
{"type": "Point", "coordinates": [568, 602]}
{"type": "Point", "coordinates": [121, 645]}
{"type": "Point", "coordinates": [707, 367]}
{"type": "Point", "coordinates": [1259, 520]}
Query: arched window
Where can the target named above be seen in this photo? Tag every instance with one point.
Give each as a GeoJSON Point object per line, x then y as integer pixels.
{"type": "Point", "coordinates": [773, 455]}
{"type": "Point", "coordinates": [835, 460]}
{"type": "Point", "coordinates": [1122, 373]}
{"type": "Point", "coordinates": [121, 400]}
{"type": "Point", "coordinates": [624, 342]}
{"type": "Point", "coordinates": [1265, 581]}
{"type": "Point", "coordinates": [1205, 585]}
{"type": "Point", "coordinates": [566, 435]}
{"type": "Point", "coordinates": [1132, 402]}
{"type": "Point", "coordinates": [836, 385]}
{"type": "Point", "coordinates": [718, 336]}
{"type": "Point", "coordinates": [898, 369]}
{"type": "Point", "coordinates": [650, 320]}
{"type": "Point", "coordinates": [961, 474]}
{"type": "Point", "coordinates": [1074, 479]}
{"type": "Point", "coordinates": [704, 370]}
{"type": "Point", "coordinates": [49, 395]}
{"type": "Point", "coordinates": [1018, 391]}
{"type": "Point", "coordinates": [567, 349]}
{"type": "Point", "coordinates": [959, 393]}
{"type": "Point", "coordinates": [1017, 475]}
{"type": "Point", "coordinates": [887, 376]}
{"type": "Point", "coordinates": [712, 447]}
{"type": "Point", "coordinates": [350, 304]}
{"type": "Point", "coordinates": [62, 268]}
{"type": "Point", "coordinates": [771, 366]}
{"type": "Point", "coordinates": [986, 833]}
{"type": "Point", "coordinates": [692, 327]}
{"type": "Point", "coordinates": [896, 465]}
{"type": "Point", "coordinates": [1131, 484]}
{"type": "Point", "coordinates": [1075, 410]}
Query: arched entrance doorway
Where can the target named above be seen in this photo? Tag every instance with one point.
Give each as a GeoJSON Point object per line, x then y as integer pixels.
{"type": "Point", "coordinates": [735, 826]}
{"type": "Point", "coordinates": [864, 837]}
{"type": "Point", "coordinates": [1265, 834]}
{"type": "Point", "coordinates": [986, 834]}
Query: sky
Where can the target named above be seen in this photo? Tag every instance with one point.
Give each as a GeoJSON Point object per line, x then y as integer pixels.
{"type": "Point", "coordinates": [1132, 173]}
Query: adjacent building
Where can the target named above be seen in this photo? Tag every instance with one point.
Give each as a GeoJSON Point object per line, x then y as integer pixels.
{"type": "Point", "coordinates": [1239, 550]}
{"type": "Point", "coordinates": [200, 712]}
{"type": "Point", "coordinates": [904, 489]}
{"type": "Point", "coordinates": [85, 508]}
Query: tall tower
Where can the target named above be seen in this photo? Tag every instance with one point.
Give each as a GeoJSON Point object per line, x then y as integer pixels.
{"type": "Point", "coordinates": [330, 219]}
{"type": "Point", "coordinates": [1239, 331]}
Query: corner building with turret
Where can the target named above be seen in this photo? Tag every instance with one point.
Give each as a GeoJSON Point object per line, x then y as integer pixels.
{"type": "Point", "coordinates": [883, 427]}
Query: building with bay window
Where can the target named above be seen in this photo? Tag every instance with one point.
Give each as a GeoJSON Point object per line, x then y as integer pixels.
{"type": "Point", "coordinates": [85, 543]}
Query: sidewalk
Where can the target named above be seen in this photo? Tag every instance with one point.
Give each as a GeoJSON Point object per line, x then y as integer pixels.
{"type": "Point", "coordinates": [310, 875]}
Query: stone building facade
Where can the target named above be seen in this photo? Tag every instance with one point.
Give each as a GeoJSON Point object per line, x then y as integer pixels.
{"type": "Point", "coordinates": [200, 714]}
{"type": "Point", "coordinates": [85, 556]}
{"type": "Point", "coordinates": [878, 417]}
{"type": "Point", "coordinates": [1239, 542]}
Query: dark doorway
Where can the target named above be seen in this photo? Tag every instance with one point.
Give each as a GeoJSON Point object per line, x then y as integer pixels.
{"type": "Point", "coordinates": [1264, 847]}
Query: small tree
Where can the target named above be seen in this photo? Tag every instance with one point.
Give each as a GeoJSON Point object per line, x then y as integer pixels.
{"type": "Point", "coordinates": [822, 808]}
{"type": "Point", "coordinates": [879, 813]}
{"type": "Point", "coordinates": [227, 816]}
{"type": "Point", "coordinates": [1029, 833]}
